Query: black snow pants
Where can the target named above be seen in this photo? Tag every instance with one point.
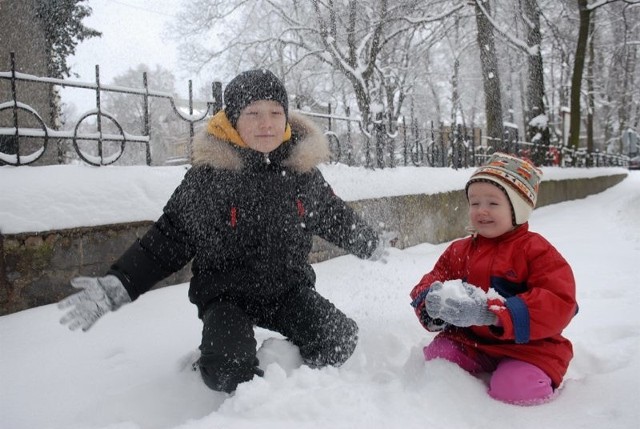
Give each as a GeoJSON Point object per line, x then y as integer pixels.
{"type": "Point", "coordinates": [324, 335]}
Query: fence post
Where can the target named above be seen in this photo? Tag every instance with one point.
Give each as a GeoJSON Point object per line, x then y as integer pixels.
{"type": "Point", "coordinates": [191, 128]}
{"type": "Point", "coordinates": [14, 144]}
{"type": "Point", "coordinates": [146, 128]}
{"type": "Point", "coordinates": [404, 140]}
{"type": "Point", "coordinates": [443, 148]}
{"type": "Point", "coordinates": [392, 131]}
{"type": "Point", "coordinates": [349, 142]}
{"type": "Point", "coordinates": [99, 115]}
{"type": "Point", "coordinates": [379, 136]}
{"type": "Point", "coordinates": [216, 93]}
{"type": "Point", "coordinates": [472, 142]}
{"type": "Point", "coordinates": [455, 146]}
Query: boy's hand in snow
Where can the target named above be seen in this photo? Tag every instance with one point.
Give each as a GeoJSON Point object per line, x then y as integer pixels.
{"type": "Point", "coordinates": [385, 240]}
{"type": "Point", "coordinates": [98, 296]}
{"type": "Point", "coordinates": [465, 306]}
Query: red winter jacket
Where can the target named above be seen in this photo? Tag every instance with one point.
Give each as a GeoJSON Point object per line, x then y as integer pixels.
{"type": "Point", "coordinates": [538, 286]}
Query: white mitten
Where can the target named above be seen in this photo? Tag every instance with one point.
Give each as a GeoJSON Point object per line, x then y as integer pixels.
{"type": "Point", "coordinates": [99, 295]}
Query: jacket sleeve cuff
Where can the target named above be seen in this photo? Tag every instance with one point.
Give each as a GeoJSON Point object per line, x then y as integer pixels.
{"type": "Point", "coordinates": [520, 319]}
{"type": "Point", "coordinates": [137, 271]}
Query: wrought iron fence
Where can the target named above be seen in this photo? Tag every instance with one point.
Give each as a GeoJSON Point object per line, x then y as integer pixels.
{"type": "Point", "coordinates": [378, 144]}
{"type": "Point", "coordinates": [439, 145]}
{"type": "Point", "coordinates": [109, 146]}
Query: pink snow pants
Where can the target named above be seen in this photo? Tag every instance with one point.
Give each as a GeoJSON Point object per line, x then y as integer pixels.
{"type": "Point", "coordinates": [512, 381]}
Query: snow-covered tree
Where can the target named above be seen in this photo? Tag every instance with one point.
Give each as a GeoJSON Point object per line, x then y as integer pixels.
{"type": "Point", "coordinates": [64, 29]}
{"type": "Point", "coordinates": [490, 75]}
{"type": "Point", "coordinates": [368, 45]}
{"type": "Point", "coordinates": [373, 56]}
{"type": "Point", "coordinates": [586, 12]}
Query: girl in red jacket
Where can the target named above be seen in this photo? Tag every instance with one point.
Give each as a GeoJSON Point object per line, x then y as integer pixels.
{"type": "Point", "coordinates": [501, 297]}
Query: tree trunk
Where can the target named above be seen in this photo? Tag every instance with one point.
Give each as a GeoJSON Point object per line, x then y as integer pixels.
{"type": "Point", "coordinates": [578, 69]}
{"type": "Point", "coordinates": [538, 130]}
{"type": "Point", "coordinates": [591, 105]}
{"type": "Point", "coordinates": [629, 60]}
{"type": "Point", "coordinates": [490, 79]}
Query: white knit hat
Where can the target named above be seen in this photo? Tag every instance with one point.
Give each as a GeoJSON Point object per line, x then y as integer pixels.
{"type": "Point", "coordinates": [518, 178]}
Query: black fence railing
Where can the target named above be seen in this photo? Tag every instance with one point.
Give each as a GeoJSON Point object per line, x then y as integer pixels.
{"type": "Point", "coordinates": [379, 144]}
{"type": "Point", "coordinates": [440, 145]}
{"type": "Point", "coordinates": [17, 145]}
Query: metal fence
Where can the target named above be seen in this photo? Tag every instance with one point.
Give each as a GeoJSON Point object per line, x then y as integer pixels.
{"type": "Point", "coordinates": [16, 141]}
{"type": "Point", "coordinates": [413, 143]}
{"type": "Point", "coordinates": [378, 144]}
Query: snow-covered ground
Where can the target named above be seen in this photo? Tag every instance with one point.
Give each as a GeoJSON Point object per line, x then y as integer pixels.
{"type": "Point", "coordinates": [132, 370]}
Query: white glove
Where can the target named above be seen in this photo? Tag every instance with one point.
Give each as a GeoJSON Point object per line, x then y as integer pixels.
{"type": "Point", "coordinates": [385, 240]}
{"type": "Point", "coordinates": [463, 307]}
{"type": "Point", "coordinates": [99, 296]}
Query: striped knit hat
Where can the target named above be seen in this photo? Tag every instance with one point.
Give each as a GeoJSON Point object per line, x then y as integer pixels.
{"type": "Point", "coordinates": [518, 178]}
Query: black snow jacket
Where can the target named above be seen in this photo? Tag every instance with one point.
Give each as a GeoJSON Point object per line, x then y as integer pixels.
{"type": "Point", "coordinates": [247, 221]}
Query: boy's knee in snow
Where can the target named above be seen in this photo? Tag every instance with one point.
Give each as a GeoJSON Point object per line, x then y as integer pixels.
{"type": "Point", "coordinates": [332, 350]}
{"type": "Point", "coordinates": [223, 373]}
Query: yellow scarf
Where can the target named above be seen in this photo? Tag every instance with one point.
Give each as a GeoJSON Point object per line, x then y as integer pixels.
{"type": "Point", "coordinates": [220, 127]}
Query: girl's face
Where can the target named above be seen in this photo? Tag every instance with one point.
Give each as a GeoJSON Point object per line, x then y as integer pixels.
{"type": "Point", "coordinates": [489, 210]}
{"type": "Point", "coordinates": [261, 125]}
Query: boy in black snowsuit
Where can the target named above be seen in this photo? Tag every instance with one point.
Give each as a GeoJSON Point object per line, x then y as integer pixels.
{"type": "Point", "coordinates": [245, 213]}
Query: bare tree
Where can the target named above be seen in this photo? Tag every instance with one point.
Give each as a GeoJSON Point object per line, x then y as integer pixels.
{"type": "Point", "coordinates": [459, 42]}
{"type": "Point", "coordinates": [490, 75]}
{"type": "Point", "coordinates": [534, 107]}
{"type": "Point", "coordinates": [591, 105]}
{"type": "Point", "coordinates": [629, 59]}
{"type": "Point", "coordinates": [367, 43]}
{"type": "Point", "coordinates": [578, 69]}
{"type": "Point", "coordinates": [585, 12]}
{"type": "Point", "coordinates": [371, 55]}
{"type": "Point", "coordinates": [538, 130]}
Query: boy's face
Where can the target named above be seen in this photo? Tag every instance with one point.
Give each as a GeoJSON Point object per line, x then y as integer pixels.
{"type": "Point", "coordinates": [489, 210]}
{"type": "Point", "coordinates": [261, 125]}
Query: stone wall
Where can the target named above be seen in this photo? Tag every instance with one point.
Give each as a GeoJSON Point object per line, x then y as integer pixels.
{"type": "Point", "coordinates": [35, 268]}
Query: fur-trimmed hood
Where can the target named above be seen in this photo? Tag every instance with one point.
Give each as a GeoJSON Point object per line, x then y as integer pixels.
{"type": "Point", "coordinates": [309, 148]}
